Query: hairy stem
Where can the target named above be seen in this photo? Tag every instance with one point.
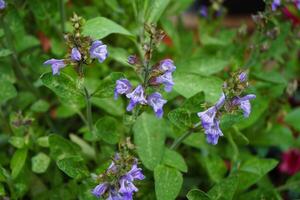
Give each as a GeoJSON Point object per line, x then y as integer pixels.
{"type": "Point", "coordinates": [62, 15]}
{"type": "Point", "coordinates": [89, 116]}
{"type": "Point", "coordinates": [177, 142]}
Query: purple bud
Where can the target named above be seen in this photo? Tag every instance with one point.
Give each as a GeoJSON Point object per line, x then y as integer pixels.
{"type": "Point", "coordinates": [56, 65]}
{"type": "Point", "coordinates": [75, 54]}
{"type": "Point", "coordinates": [244, 103]}
{"type": "Point", "coordinates": [132, 59]}
{"type": "Point", "coordinates": [167, 65]}
{"type": "Point", "coordinates": [275, 4]}
{"type": "Point", "coordinates": [100, 189]}
{"type": "Point", "coordinates": [156, 101]}
{"type": "Point", "coordinates": [123, 86]}
{"type": "Point", "coordinates": [243, 77]}
{"type": "Point", "coordinates": [136, 96]}
{"type": "Point", "coordinates": [203, 11]}
{"type": "Point", "coordinates": [221, 101]}
{"type": "Point", "coordinates": [167, 80]}
{"type": "Point", "coordinates": [98, 51]}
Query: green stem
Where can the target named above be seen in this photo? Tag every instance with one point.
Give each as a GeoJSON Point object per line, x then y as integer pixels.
{"type": "Point", "coordinates": [234, 146]}
{"type": "Point", "coordinates": [62, 15]}
{"type": "Point", "coordinates": [88, 109]}
{"type": "Point", "coordinates": [288, 185]}
{"type": "Point", "coordinates": [181, 139]}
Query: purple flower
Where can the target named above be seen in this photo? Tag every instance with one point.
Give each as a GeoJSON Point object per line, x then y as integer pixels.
{"type": "Point", "coordinates": [244, 103]}
{"type": "Point", "coordinates": [114, 195]}
{"type": "Point", "coordinates": [167, 80]}
{"type": "Point", "coordinates": [167, 65]}
{"type": "Point", "coordinates": [135, 173]}
{"type": "Point", "coordinates": [136, 96]}
{"type": "Point", "coordinates": [127, 187]}
{"type": "Point", "coordinates": [100, 189]}
{"type": "Point", "coordinates": [243, 77]}
{"type": "Point", "coordinates": [275, 4]}
{"type": "Point", "coordinates": [75, 54]}
{"type": "Point", "coordinates": [203, 11]}
{"type": "Point", "coordinates": [2, 4]}
{"type": "Point", "coordinates": [213, 133]}
{"type": "Point", "coordinates": [208, 117]}
{"type": "Point", "coordinates": [156, 101]}
{"type": "Point", "coordinates": [98, 50]}
{"type": "Point", "coordinates": [298, 4]}
{"type": "Point", "coordinates": [56, 65]}
{"type": "Point", "coordinates": [123, 86]}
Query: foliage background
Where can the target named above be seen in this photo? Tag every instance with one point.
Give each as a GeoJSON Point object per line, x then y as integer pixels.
{"type": "Point", "coordinates": [47, 151]}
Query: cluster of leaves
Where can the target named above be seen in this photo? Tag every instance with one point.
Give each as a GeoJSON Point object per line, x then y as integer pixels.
{"type": "Point", "coordinates": [48, 152]}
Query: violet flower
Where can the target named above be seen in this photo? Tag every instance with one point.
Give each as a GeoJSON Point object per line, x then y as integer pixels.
{"type": "Point", "coordinates": [123, 86]}
{"type": "Point", "coordinates": [98, 50]}
{"type": "Point", "coordinates": [2, 4]}
{"type": "Point", "coordinates": [213, 133]}
{"type": "Point", "coordinates": [56, 65]}
{"type": "Point", "coordinates": [136, 96]}
{"type": "Point", "coordinates": [275, 4]}
{"type": "Point", "coordinates": [167, 65]}
{"type": "Point", "coordinates": [156, 101]}
{"type": "Point", "coordinates": [203, 11]}
{"type": "Point", "coordinates": [75, 54]}
{"type": "Point", "coordinates": [100, 189]}
{"type": "Point", "coordinates": [244, 103]}
{"type": "Point", "coordinates": [167, 80]}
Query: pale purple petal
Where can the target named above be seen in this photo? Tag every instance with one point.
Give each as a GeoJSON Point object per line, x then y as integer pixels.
{"type": "Point", "coordinates": [243, 77]}
{"type": "Point", "coordinates": [167, 80]}
{"type": "Point", "coordinates": [156, 101]}
{"type": "Point", "coordinates": [123, 86]}
{"type": "Point", "coordinates": [127, 187]}
{"type": "Point", "coordinates": [56, 65]}
{"type": "Point", "coordinates": [167, 65]}
{"type": "Point", "coordinates": [100, 189]}
{"type": "Point", "coordinates": [136, 96]}
{"type": "Point", "coordinates": [203, 11]}
{"type": "Point", "coordinates": [135, 173]}
{"type": "Point", "coordinates": [99, 51]}
{"type": "Point", "coordinates": [207, 117]}
{"type": "Point", "coordinates": [2, 4]}
{"type": "Point", "coordinates": [275, 4]}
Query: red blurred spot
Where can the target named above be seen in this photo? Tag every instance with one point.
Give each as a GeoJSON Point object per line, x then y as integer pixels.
{"type": "Point", "coordinates": [293, 18]}
{"type": "Point", "coordinates": [167, 41]}
{"type": "Point", "coordinates": [45, 41]}
{"type": "Point", "coordinates": [290, 162]}
{"type": "Point", "coordinates": [53, 113]}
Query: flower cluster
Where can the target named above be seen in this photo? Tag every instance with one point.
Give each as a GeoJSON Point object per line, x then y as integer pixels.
{"type": "Point", "coordinates": [117, 182]}
{"type": "Point", "coordinates": [2, 4]}
{"type": "Point", "coordinates": [82, 50]}
{"type": "Point", "coordinates": [160, 75]}
{"type": "Point", "coordinates": [210, 118]}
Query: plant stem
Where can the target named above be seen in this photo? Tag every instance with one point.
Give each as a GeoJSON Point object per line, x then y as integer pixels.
{"type": "Point", "coordinates": [181, 139]}
{"type": "Point", "coordinates": [88, 109]}
{"type": "Point", "coordinates": [62, 15]}
{"type": "Point", "coordinates": [288, 185]}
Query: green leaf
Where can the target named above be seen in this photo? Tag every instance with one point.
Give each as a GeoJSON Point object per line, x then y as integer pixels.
{"type": "Point", "coordinates": [292, 119]}
{"type": "Point", "coordinates": [64, 87]}
{"type": "Point", "coordinates": [17, 162]}
{"type": "Point", "coordinates": [5, 52]}
{"type": "Point", "coordinates": [261, 193]}
{"type": "Point", "coordinates": [106, 129]}
{"type": "Point", "coordinates": [156, 10]}
{"type": "Point", "coordinates": [7, 91]}
{"type": "Point", "coordinates": [203, 65]}
{"type": "Point", "coordinates": [196, 194]}
{"type": "Point", "coordinates": [107, 86]}
{"type": "Point", "coordinates": [40, 163]}
{"type": "Point", "coordinates": [61, 148]}
{"type": "Point", "coordinates": [4, 175]}
{"type": "Point", "coordinates": [100, 27]}
{"type": "Point", "coordinates": [225, 189]}
{"type": "Point", "coordinates": [190, 84]}
{"type": "Point", "coordinates": [181, 118]}
{"type": "Point", "coordinates": [174, 159]}
{"type": "Point", "coordinates": [40, 106]}
{"type": "Point", "coordinates": [73, 167]}
{"type": "Point", "coordinates": [168, 182]}
{"type": "Point", "coordinates": [193, 103]}
{"type": "Point", "coordinates": [17, 142]}
{"type": "Point", "coordinates": [253, 170]}
{"type": "Point", "coordinates": [86, 149]}
{"type": "Point", "coordinates": [110, 105]}
{"type": "Point", "coordinates": [2, 190]}
{"type": "Point", "coordinates": [120, 55]}
{"type": "Point", "coordinates": [149, 138]}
